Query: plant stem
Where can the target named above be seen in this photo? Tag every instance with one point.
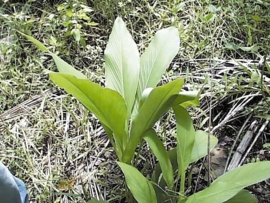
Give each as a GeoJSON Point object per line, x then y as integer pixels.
{"type": "Point", "coordinates": [182, 186]}
{"type": "Point", "coordinates": [190, 175]}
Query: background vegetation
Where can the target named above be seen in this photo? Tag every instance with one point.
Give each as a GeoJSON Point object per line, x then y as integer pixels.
{"type": "Point", "coordinates": [58, 148]}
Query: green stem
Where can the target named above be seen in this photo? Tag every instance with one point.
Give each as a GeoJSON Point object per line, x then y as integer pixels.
{"type": "Point", "coordinates": [182, 186]}
{"type": "Point", "coordinates": [190, 175]}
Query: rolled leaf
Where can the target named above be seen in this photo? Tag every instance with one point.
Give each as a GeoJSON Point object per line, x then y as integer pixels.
{"type": "Point", "coordinates": [140, 187]}
{"type": "Point", "coordinates": [122, 63]}
{"type": "Point", "coordinates": [187, 99]}
{"type": "Point", "coordinates": [232, 182]}
{"type": "Point", "coordinates": [145, 95]}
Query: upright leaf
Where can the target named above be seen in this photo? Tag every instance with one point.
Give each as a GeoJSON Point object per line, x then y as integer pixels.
{"type": "Point", "coordinates": [140, 187]}
{"type": "Point", "coordinates": [232, 182]}
{"type": "Point", "coordinates": [157, 58]}
{"type": "Point", "coordinates": [157, 103]}
{"type": "Point", "coordinates": [185, 137]}
{"type": "Point", "coordinates": [62, 66]}
{"type": "Point", "coordinates": [160, 152]}
{"type": "Point", "coordinates": [107, 105]}
{"type": "Point", "coordinates": [122, 63]}
{"type": "Point", "coordinates": [199, 149]}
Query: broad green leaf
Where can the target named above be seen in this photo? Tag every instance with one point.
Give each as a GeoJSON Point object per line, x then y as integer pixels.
{"type": "Point", "coordinates": [185, 99]}
{"type": "Point", "coordinates": [199, 149]}
{"type": "Point", "coordinates": [122, 63]}
{"type": "Point", "coordinates": [243, 197]}
{"type": "Point", "coordinates": [232, 182]}
{"type": "Point", "coordinates": [160, 152]}
{"type": "Point", "coordinates": [140, 187]}
{"type": "Point", "coordinates": [156, 59]}
{"type": "Point", "coordinates": [172, 154]}
{"type": "Point", "coordinates": [157, 103]}
{"type": "Point", "coordinates": [107, 105]}
{"type": "Point", "coordinates": [185, 137]}
{"type": "Point", "coordinates": [62, 66]}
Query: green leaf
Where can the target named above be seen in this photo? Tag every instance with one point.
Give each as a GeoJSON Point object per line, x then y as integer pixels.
{"type": "Point", "coordinates": [187, 99]}
{"type": "Point", "coordinates": [62, 66]}
{"type": "Point", "coordinates": [139, 186]}
{"type": "Point", "coordinates": [36, 42]}
{"type": "Point", "coordinates": [209, 17]}
{"type": "Point", "coordinates": [257, 18]}
{"type": "Point", "coordinates": [185, 137]}
{"type": "Point", "coordinates": [97, 201]}
{"type": "Point", "coordinates": [107, 105]}
{"type": "Point", "coordinates": [172, 154]}
{"type": "Point", "coordinates": [160, 152]}
{"type": "Point", "coordinates": [253, 48]}
{"type": "Point", "coordinates": [157, 58]}
{"type": "Point", "coordinates": [267, 66]}
{"type": "Point", "coordinates": [243, 197]}
{"type": "Point", "coordinates": [232, 182]}
{"type": "Point", "coordinates": [199, 149]}
{"type": "Point", "coordinates": [266, 145]}
{"type": "Point", "coordinates": [145, 95]}
{"type": "Point", "coordinates": [122, 63]}
{"type": "Point", "coordinates": [69, 12]}
{"type": "Point", "coordinates": [76, 34]}
{"type": "Point", "coordinates": [157, 103]}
